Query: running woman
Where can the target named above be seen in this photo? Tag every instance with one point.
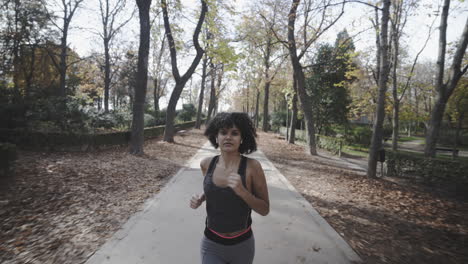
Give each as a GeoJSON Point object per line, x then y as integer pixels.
{"type": "Point", "coordinates": [234, 185]}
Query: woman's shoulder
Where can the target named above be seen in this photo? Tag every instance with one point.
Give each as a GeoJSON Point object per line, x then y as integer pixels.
{"type": "Point", "coordinates": [253, 163]}
{"type": "Point", "coordinates": [204, 163]}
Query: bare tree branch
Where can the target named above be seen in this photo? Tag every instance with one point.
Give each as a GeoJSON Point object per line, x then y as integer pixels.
{"type": "Point", "coordinates": [408, 80]}
{"type": "Point", "coordinates": [321, 31]}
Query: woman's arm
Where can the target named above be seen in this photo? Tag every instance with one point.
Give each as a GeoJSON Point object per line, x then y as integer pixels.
{"type": "Point", "coordinates": [197, 200]}
{"type": "Point", "coordinates": [259, 201]}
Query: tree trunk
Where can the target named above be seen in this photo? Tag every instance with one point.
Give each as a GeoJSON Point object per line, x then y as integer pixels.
{"type": "Point", "coordinates": [306, 108]}
{"type": "Point", "coordinates": [266, 97]}
{"type": "Point", "coordinates": [63, 62]}
{"type": "Point", "coordinates": [395, 124]}
{"type": "Point", "coordinates": [257, 105]}
{"type": "Point", "coordinates": [457, 135]}
{"type": "Point", "coordinates": [410, 121]}
{"type": "Point", "coordinates": [287, 119]}
{"type": "Point", "coordinates": [298, 72]}
{"type": "Point", "coordinates": [292, 132]}
{"type": "Point", "coordinates": [106, 75]}
{"type": "Point", "coordinates": [212, 92]}
{"type": "Point", "coordinates": [247, 108]}
{"type": "Point", "coordinates": [137, 133]}
{"type": "Point", "coordinates": [156, 92]}
{"type": "Point", "coordinates": [376, 141]}
{"type": "Point", "coordinates": [16, 50]}
{"type": "Point", "coordinates": [416, 110]}
{"type": "Point", "coordinates": [171, 112]}
{"type": "Point", "coordinates": [377, 43]}
{"type": "Point", "coordinates": [114, 102]}
{"type": "Point", "coordinates": [432, 133]}
{"type": "Point", "coordinates": [396, 101]}
{"type": "Point", "coordinates": [266, 124]}
{"type": "Point", "coordinates": [218, 89]}
{"type": "Point", "coordinates": [444, 90]}
{"type": "Point", "coordinates": [202, 93]}
{"type": "Point", "coordinates": [30, 74]}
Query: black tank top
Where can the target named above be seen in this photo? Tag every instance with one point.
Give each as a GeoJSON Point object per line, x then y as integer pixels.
{"type": "Point", "coordinates": [226, 211]}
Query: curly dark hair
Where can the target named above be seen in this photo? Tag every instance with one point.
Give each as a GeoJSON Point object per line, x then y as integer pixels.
{"type": "Point", "coordinates": [229, 120]}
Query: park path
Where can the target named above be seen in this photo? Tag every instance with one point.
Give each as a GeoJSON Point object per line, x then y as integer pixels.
{"type": "Point", "coordinates": [168, 231]}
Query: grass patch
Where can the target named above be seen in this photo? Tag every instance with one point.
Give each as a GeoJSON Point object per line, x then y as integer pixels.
{"type": "Point", "coordinates": [406, 139]}
{"type": "Point", "coordinates": [356, 150]}
{"type": "Point", "coordinates": [438, 156]}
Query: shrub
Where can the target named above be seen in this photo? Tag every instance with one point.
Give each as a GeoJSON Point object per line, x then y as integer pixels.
{"type": "Point", "coordinates": [187, 113]}
{"type": "Point", "coordinates": [58, 114]}
{"type": "Point", "coordinates": [277, 120]}
{"type": "Point", "coordinates": [150, 121]}
{"type": "Point", "coordinates": [7, 158]}
{"type": "Point", "coordinates": [331, 144]}
{"type": "Point", "coordinates": [160, 117]}
{"type": "Point", "coordinates": [360, 135]}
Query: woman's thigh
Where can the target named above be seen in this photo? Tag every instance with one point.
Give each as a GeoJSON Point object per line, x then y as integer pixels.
{"type": "Point", "coordinates": [212, 259]}
{"type": "Point", "coordinates": [211, 252]}
{"type": "Point", "coordinates": [215, 253]}
{"type": "Point", "coordinates": [243, 253]}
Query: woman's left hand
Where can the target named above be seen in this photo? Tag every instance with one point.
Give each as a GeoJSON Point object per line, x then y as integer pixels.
{"type": "Point", "coordinates": [235, 182]}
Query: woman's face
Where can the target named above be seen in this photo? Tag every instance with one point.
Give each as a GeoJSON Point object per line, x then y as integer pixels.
{"type": "Point", "coordinates": [229, 139]}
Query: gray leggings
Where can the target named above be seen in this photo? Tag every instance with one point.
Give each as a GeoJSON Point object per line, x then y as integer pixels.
{"type": "Point", "coordinates": [215, 253]}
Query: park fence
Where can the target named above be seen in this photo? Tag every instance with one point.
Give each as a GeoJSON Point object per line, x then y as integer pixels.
{"type": "Point", "coordinates": [432, 171]}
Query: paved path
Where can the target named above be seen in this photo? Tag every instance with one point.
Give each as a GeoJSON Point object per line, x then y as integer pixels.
{"type": "Point", "coordinates": [167, 231]}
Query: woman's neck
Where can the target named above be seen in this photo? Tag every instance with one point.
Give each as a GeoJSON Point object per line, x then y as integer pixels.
{"type": "Point", "coordinates": [230, 159]}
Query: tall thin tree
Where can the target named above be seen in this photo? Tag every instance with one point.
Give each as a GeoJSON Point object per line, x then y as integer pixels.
{"type": "Point", "coordinates": [445, 88]}
{"type": "Point", "coordinates": [110, 27]}
{"type": "Point", "coordinates": [68, 8]}
{"type": "Point", "coordinates": [137, 133]}
{"type": "Point", "coordinates": [296, 57]}
{"type": "Point", "coordinates": [180, 81]}
{"type": "Point", "coordinates": [376, 141]}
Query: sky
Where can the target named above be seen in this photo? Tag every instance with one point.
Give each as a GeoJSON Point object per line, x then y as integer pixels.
{"type": "Point", "coordinates": [355, 20]}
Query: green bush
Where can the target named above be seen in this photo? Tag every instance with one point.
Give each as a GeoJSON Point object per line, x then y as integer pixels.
{"type": "Point", "coordinates": [387, 132]}
{"type": "Point", "coordinates": [447, 138]}
{"type": "Point", "coordinates": [149, 120]}
{"type": "Point", "coordinates": [331, 144]}
{"type": "Point", "coordinates": [277, 120]}
{"type": "Point", "coordinates": [8, 156]}
{"type": "Point", "coordinates": [12, 107]}
{"type": "Point", "coordinates": [112, 119]}
{"type": "Point", "coordinates": [187, 113]}
{"type": "Point", "coordinates": [160, 117]}
{"type": "Point", "coordinates": [360, 135]}
{"type": "Point", "coordinates": [58, 114]}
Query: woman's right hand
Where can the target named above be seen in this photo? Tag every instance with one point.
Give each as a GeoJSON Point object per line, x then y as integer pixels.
{"type": "Point", "coordinates": [196, 201]}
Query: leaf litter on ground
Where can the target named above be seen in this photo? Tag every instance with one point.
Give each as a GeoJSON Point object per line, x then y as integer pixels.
{"type": "Point", "coordinates": [60, 207]}
{"type": "Point", "coordinates": [384, 220]}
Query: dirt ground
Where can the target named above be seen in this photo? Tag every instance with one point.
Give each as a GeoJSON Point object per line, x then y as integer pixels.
{"type": "Point", "coordinates": [60, 207]}
{"type": "Point", "coordinates": [384, 220]}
